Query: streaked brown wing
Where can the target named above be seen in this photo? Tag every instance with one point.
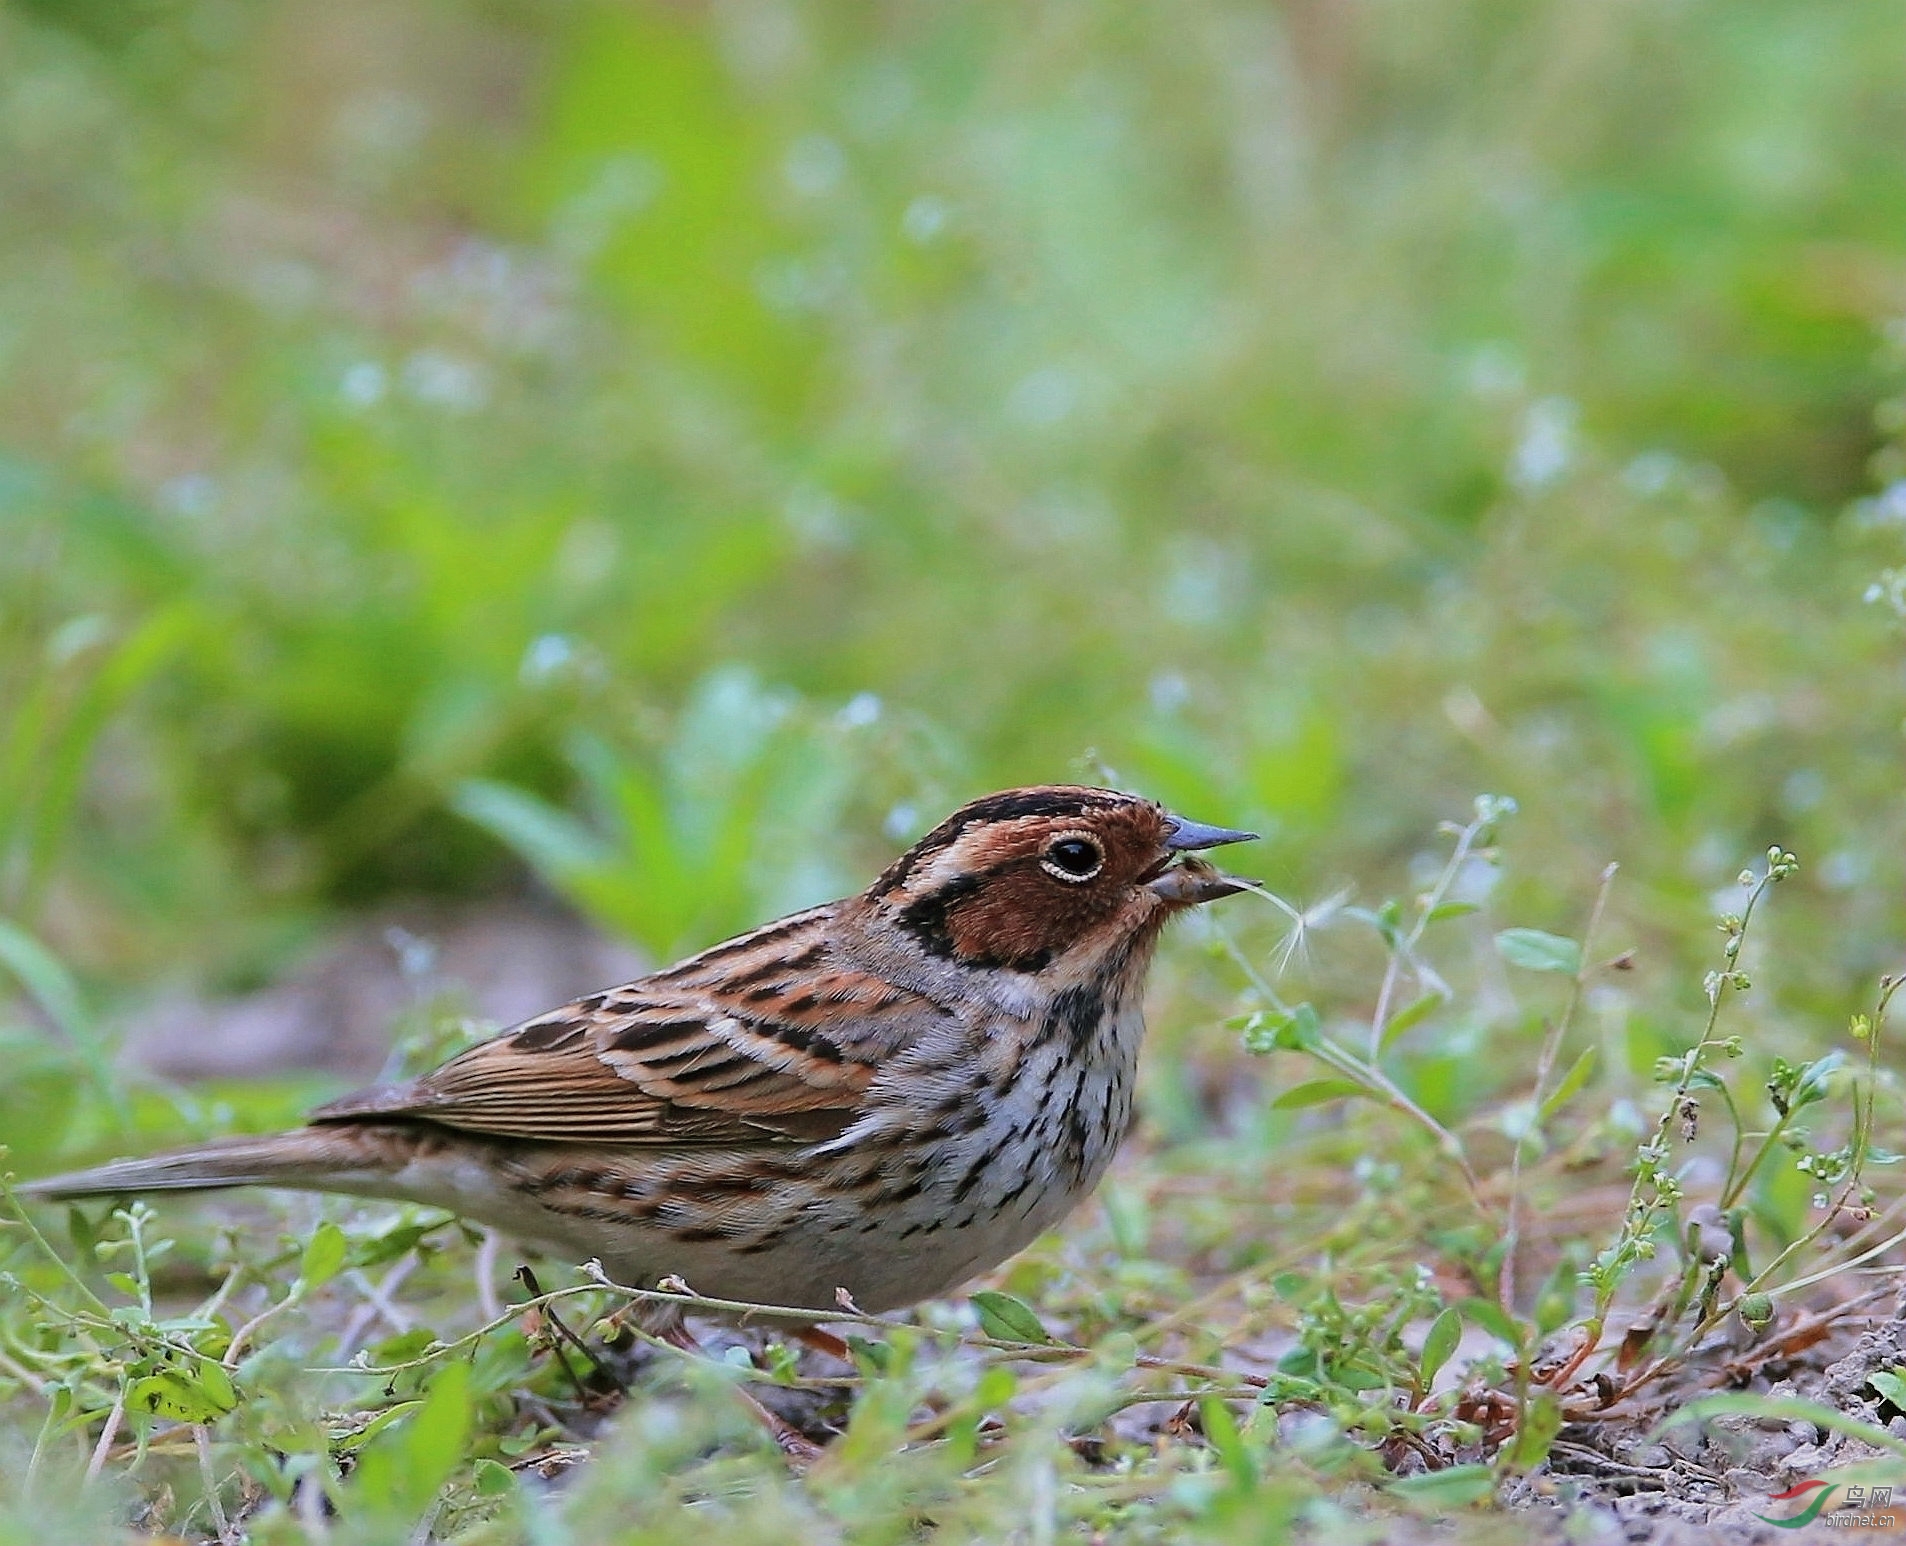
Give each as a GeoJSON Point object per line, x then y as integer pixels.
{"type": "Point", "coordinates": [757, 1040]}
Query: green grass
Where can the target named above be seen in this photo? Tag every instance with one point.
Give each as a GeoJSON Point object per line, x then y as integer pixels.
{"type": "Point", "coordinates": [677, 454]}
{"type": "Point", "coordinates": [1255, 1331]}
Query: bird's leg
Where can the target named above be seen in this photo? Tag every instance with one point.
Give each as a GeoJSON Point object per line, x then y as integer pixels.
{"type": "Point", "coordinates": [527, 1278]}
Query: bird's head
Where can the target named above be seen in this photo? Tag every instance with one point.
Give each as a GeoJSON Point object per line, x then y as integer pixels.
{"type": "Point", "coordinates": [1027, 878]}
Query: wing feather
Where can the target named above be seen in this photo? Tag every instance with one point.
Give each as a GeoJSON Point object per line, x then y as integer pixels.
{"type": "Point", "coordinates": [698, 1054]}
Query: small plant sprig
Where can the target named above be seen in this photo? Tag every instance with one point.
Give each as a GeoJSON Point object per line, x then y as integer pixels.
{"type": "Point", "coordinates": [133, 1372]}
{"type": "Point", "coordinates": [1711, 1239]}
{"type": "Point", "coordinates": [1656, 1191]}
{"type": "Point", "coordinates": [1403, 937]}
{"type": "Point", "coordinates": [1546, 952]}
{"type": "Point", "coordinates": [1353, 1364]}
{"type": "Point", "coordinates": [1277, 1026]}
{"type": "Point", "coordinates": [1791, 1088]}
{"type": "Point", "coordinates": [125, 1363]}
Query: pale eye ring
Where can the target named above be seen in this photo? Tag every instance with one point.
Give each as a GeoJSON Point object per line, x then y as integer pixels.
{"type": "Point", "coordinates": [1073, 857]}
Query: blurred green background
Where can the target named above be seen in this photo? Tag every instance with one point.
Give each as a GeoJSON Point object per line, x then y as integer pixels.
{"type": "Point", "coordinates": [676, 451]}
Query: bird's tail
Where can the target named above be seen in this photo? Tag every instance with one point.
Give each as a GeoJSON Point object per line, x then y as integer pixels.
{"type": "Point", "coordinates": [321, 1159]}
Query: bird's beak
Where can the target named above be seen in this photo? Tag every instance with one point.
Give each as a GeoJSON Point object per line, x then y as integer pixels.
{"type": "Point", "coordinates": [1183, 834]}
{"type": "Point", "coordinates": [1193, 881]}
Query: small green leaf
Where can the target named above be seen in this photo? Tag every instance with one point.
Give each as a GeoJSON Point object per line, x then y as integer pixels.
{"type": "Point", "coordinates": [438, 1435]}
{"type": "Point", "coordinates": [1127, 1218]}
{"type": "Point", "coordinates": [46, 980]}
{"type": "Point", "coordinates": [1304, 1031]}
{"type": "Point", "coordinates": [549, 838]}
{"type": "Point", "coordinates": [1456, 1486]}
{"type": "Point", "coordinates": [871, 1358]}
{"type": "Point", "coordinates": [1444, 910]}
{"type": "Point", "coordinates": [378, 1424]}
{"type": "Point", "coordinates": [405, 1345]}
{"type": "Point", "coordinates": [1438, 1343]}
{"type": "Point", "coordinates": [1534, 951]}
{"type": "Point", "coordinates": [1316, 1091]}
{"type": "Point", "coordinates": [1489, 1315]}
{"type": "Point", "coordinates": [1412, 1014]}
{"type": "Point", "coordinates": [1258, 1031]}
{"type": "Point", "coordinates": [216, 1383]}
{"type": "Point", "coordinates": [178, 1396]}
{"type": "Point", "coordinates": [1221, 1433]}
{"type": "Point", "coordinates": [1006, 1319]}
{"type": "Point", "coordinates": [324, 1255]}
{"type": "Point", "coordinates": [1572, 1081]}
{"type": "Point", "coordinates": [1889, 1385]}
{"type": "Point", "coordinates": [493, 1480]}
{"type": "Point", "coordinates": [85, 1237]}
{"type": "Point", "coordinates": [995, 1388]}
{"type": "Point", "coordinates": [125, 1282]}
{"type": "Point", "coordinates": [399, 1239]}
{"type": "Point", "coordinates": [404, 1467]}
{"type": "Point", "coordinates": [1812, 1085]}
{"type": "Point", "coordinates": [1534, 1435]}
{"type": "Point", "coordinates": [1737, 1231]}
{"type": "Point", "coordinates": [1385, 920]}
{"type": "Point", "coordinates": [1552, 1311]}
{"type": "Point", "coordinates": [1357, 1376]}
{"type": "Point", "coordinates": [1283, 1030]}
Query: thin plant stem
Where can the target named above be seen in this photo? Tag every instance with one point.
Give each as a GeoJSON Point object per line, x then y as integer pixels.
{"type": "Point", "coordinates": [1859, 1144]}
{"type": "Point", "coordinates": [1643, 1211]}
{"type": "Point", "coordinates": [202, 1441]}
{"type": "Point", "coordinates": [1763, 1281]}
{"type": "Point", "coordinates": [18, 1216]}
{"type": "Point", "coordinates": [107, 1435]}
{"type": "Point", "coordinates": [1367, 1075]}
{"type": "Point", "coordinates": [1404, 950]}
{"type": "Point", "coordinates": [241, 1338]}
{"type": "Point", "coordinates": [1036, 1352]}
{"type": "Point", "coordinates": [1738, 1179]}
{"type": "Point", "coordinates": [1545, 1065]}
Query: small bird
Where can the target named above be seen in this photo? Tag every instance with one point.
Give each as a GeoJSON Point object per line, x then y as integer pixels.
{"type": "Point", "coordinates": [882, 1096]}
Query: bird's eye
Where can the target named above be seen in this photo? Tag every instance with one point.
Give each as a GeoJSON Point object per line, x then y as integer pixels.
{"type": "Point", "coordinates": [1073, 857]}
